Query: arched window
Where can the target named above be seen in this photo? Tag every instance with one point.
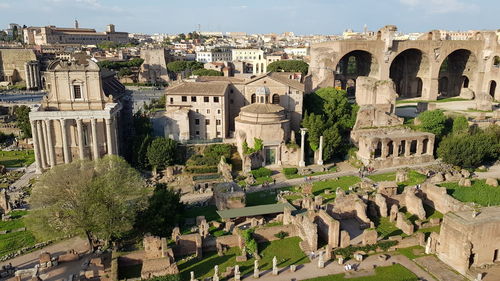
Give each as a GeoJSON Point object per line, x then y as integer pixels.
{"type": "Point", "coordinates": [496, 61]}
{"type": "Point", "coordinates": [466, 82]}
{"type": "Point", "coordinates": [252, 99]}
{"type": "Point", "coordinates": [276, 99]}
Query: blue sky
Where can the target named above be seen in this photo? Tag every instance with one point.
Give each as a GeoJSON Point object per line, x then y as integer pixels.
{"type": "Point", "coordinates": [256, 16]}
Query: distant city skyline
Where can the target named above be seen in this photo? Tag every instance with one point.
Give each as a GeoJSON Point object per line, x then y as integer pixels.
{"type": "Point", "coordinates": [258, 16]}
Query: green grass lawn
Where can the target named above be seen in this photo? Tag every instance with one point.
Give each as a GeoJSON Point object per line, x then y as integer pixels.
{"type": "Point", "coordinates": [287, 252]}
{"type": "Point", "coordinates": [395, 272]}
{"type": "Point", "coordinates": [15, 159]}
{"type": "Point", "coordinates": [412, 252]}
{"type": "Point", "coordinates": [383, 177]}
{"type": "Point", "coordinates": [13, 241]}
{"type": "Point", "coordinates": [319, 187]}
{"type": "Point", "coordinates": [479, 193]}
{"type": "Point", "coordinates": [386, 229]}
{"type": "Point", "coordinates": [296, 176]}
{"type": "Point", "coordinates": [264, 197]}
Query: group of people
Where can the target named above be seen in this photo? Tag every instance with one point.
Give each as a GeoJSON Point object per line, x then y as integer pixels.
{"type": "Point", "coordinates": [308, 178]}
{"type": "Point", "coordinates": [363, 171]}
{"type": "Point", "coordinates": [349, 267]}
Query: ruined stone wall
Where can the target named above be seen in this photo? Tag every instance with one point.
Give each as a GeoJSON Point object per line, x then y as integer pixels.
{"type": "Point", "coordinates": [187, 245]}
{"type": "Point", "coordinates": [14, 60]}
{"type": "Point", "coordinates": [437, 198]}
{"type": "Point", "coordinates": [265, 234]}
{"type": "Point", "coordinates": [328, 228]}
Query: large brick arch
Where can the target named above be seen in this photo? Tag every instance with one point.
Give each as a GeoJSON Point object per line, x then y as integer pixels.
{"type": "Point", "coordinates": [461, 68]}
{"type": "Point", "coordinates": [407, 70]}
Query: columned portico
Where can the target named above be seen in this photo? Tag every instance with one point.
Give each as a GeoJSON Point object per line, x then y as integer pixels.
{"type": "Point", "coordinates": [64, 134]}
{"type": "Point", "coordinates": [36, 147]}
{"type": "Point", "coordinates": [109, 140]}
{"type": "Point", "coordinates": [81, 142]}
{"type": "Point", "coordinates": [95, 147]}
{"type": "Point", "coordinates": [41, 144]}
{"type": "Point", "coordinates": [50, 142]}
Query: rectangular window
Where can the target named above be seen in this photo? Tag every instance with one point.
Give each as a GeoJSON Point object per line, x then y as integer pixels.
{"type": "Point", "coordinates": [197, 121]}
{"type": "Point", "coordinates": [184, 98]}
{"type": "Point", "coordinates": [77, 91]}
{"type": "Point", "coordinates": [205, 99]}
{"type": "Point", "coordinates": [208, 111]}
{"type": "Point", "coordinates": [217, 122]}
{"type": "Point", "coordinates": [218, 134]}
{"type": "Point", "coordinates": [197, 133]}
{"type": "Point", "coordinates": [216, 99]}
{"type": "Point", "coordinates": [193, 99]}
{"type": "Point", "coordinates": [207, 121]}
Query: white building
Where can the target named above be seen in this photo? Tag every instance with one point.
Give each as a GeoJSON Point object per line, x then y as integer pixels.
{"type": "Point", "coordinates": [214, 55]}
{"type": "Point", "coordinates": [252, 57]}
{"type": "Point", "coordinates": [297, 52]}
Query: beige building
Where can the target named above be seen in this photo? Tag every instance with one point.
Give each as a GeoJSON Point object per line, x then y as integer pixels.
{"type": "Point", "coordinates": [20, 65]}
{"type": "Point", "coordinates": [82, 117]}
{"type": "Point", "coordinates": [48, 35]}
{"type": "Point", "coordinates": [254, 59]}
{"type": "Point", "coordinates": [154, 69]}
{"type": "Point", "coordinates": [470, 240]}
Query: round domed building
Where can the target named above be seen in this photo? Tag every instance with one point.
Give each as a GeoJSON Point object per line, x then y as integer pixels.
{"type": "Point", "coordinates": [266, 122]}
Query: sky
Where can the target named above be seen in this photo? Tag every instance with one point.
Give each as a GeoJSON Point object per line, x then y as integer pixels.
{"type": "Point", "coordinates": [255, 16]}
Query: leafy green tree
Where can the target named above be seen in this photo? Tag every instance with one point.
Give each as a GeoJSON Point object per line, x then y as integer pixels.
{"type": "Point", "coordinates": [207, 72]}
{"type": "Point", "coordinates": [163, 212]}
{"type": "Point", "coordinates": [106, 45]}
{"type": "Point", "coordinates": [331, 115]}
{"type": "Point", "coordinates": [177, 66]}
{"type": "Point", "coordinates": [161, 153]}
{"type": "Point", "coordinates": [471, 150]}
{"type": "Point", "coordinates": [23, 120]}
{"type": "Point", "coordinates": [460, 125]}
{"type": "Point", "coordinates": [124, 72]}
{"type": "Point", "coordinates": [98, 199]}
{"type": "Point", "coordinates": [433, 121]}
{"type": "Point", "coordinates": [288, 66]}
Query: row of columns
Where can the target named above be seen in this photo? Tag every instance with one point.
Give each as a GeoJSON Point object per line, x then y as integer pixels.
{"type": "Point", "coordinates": [43, 142]}
{"type": "Point", "coordinates": [32, 73]}
{"type": "Point", "coordinates": [407, 152]}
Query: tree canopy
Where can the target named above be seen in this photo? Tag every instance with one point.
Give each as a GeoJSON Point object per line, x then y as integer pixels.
{"type": "Point", "coordinates": [288, 66]}
{"type": "Point", "coordinates": [329, 113]}
{"type": "Point", "coordinates": [98, 199]}
{"type": "Point", "coordinates": [163, 213]}
{"type": "Point", "coordinates": [180, 66]}
{"type": "Point", "coordinates": [433, 121]}
{"type": "Point", "coordinates": [207, 72]}
{"type": "Point", "coordinates": [117, 65]}
{"type": "Point", "coordinates": [23, 120]}
{"type": "Point", "coordinates": [471, 150]}
{"type": "Point", "coordinates": [161, 152]}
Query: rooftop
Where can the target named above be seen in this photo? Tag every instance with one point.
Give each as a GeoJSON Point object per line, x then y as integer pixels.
{"type": "Point", "coordinates": [213, 88]}
{"type": "Point", "coordinates": [486, 215]}
{"type": "Point", "coordinates": [255, 210]}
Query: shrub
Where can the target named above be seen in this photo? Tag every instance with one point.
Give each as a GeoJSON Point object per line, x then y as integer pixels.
{"type": "Point", "coordinates": [281, 235]}
{"type": "Point", "coordinates": [250, 243]}
{"type": "Point", "coordinates": [201, 169]}
{"type": "Point", "coordinates": [262, 172]}
{"type": "Point", "coordinates": [173, 277]}
{"type": "Point", "coordinates": [460, 125]}
{"type": "Point", "coordinates": [257, 146]}
{"type": "Point", "coordinates": [290, 171]}
{"type": "Point", "coordinates": [433, 121]}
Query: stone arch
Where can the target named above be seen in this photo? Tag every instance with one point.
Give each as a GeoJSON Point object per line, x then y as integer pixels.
{"type": "Point", "coordinates": [493, 88]}
{"type": "Point", "coordinates": [276, 99]}
{"type": "Point", "coordinates": [356, 63]}
{"type": "Point", "coordinates": [443, 85]}
{"type": "Point", "coordinates": [253, 98]}
{"type": "Point", "coordinates": [407, 70]}
{"type": "Point", "coordinates": [465, 82]}
{"type": "Point", "coordinates": [455, 66]}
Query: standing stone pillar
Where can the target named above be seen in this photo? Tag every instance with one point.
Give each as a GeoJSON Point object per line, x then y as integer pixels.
{"type": "Point", "coordinates": [79, 128]}
{"type": "Point", "coordinates": [320, 156]}
{"type": "Point", "coordinates": [36, 147]}
{"type": "Point", "coordinates": [321, 260]}
{"type": "Point", "coordinates": [395, 148]}
{"type": "Point", "coordinates": [216, 273]}
{"type": "Point", "coordinates": [52, 156]}
{"type": "Point", "coordinates": [430, 147]}
{"type": "Point", "coordinates": [303, 131]}
{"type": "Point", "coordinates": [32, 75]}
{"type": "Point", "coordinates": [237, 273]}
{"type": "Point", "coordinates": [384, 150]}
{"type": "Point", "coordinates": [27, 74]}
{"type": "Point", "coordinates": [95, 148]}
{"type": "Point", "coordinates": [275, 266]}
{"type": "Point", "coordinates": [256, 273]}
{"type": "Point", "coordinates": [109, 137]}
{"type": "Point", "coordinates": [407, 147]}
{"type": "Point", "coordinates": [420, 147]}
{"type": "Point", "coordinates": [192, 276]}
{"type": "Point", "coordinates": [45, 141]}
{"type": "Point", "coordinates": [41, 144]}
{"type": "Point", "coordinates": [64, 134]}
{"type": "Point", "coordinates": [36, 75]}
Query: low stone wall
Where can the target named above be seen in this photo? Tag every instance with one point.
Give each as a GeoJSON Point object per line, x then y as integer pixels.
{"type": "Point", "coordinates": [437, 198]}
{"type": "Point", "coordinates": [186, 245]}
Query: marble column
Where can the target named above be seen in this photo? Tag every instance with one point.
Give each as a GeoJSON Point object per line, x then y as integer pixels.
{"type": "Point", "coordinates": [36, 147]}
{"type": "Point", "coordinates": [79, 128]}
{"type": "Point", "coordinates": [95, 148]}
{"type": "Point", "coordinates": [45, 142]}
{"type": "Point", "coordinates": [50, 143]}
{"type": "Point", "coordinates": [302, 163]}
{"type": "Point", "coordinates": [27, 74]}
{"type": "Point", "coordinates": [41, 144]}
{"type": "Point", "coordinates": [109, 137]}
{"type": "Point", "coordinates": [320, 153]}
{"type": "Point", "coordinates": [115, 134]}
{"type": "Point", "coordinates": [65, 148]}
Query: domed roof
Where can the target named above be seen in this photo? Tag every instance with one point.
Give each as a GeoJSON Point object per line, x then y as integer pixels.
{"type": "Point", "coordinates": [262, 91]}
{"type": "Point", "coordinates": [262, 108]}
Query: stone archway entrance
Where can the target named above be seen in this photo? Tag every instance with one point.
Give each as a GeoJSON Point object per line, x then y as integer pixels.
{"type": "Point", "coordinates": [493, 88]}
{"type": "Point", "coordinates": [458, 68]}
{"type": "Point", "coordinates": [352, 65]}
{"type": "Point", "coordinates": [406, 71]}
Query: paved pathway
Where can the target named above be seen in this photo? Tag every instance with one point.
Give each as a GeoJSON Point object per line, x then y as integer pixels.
{"type": "Point", "coordinates": [439, 269]}
{"type": "Point", "coordinates": [365, 268]}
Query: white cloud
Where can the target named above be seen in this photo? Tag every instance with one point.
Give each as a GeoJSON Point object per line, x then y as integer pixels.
{"type": "Point", "coordinates": [441, 6]}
